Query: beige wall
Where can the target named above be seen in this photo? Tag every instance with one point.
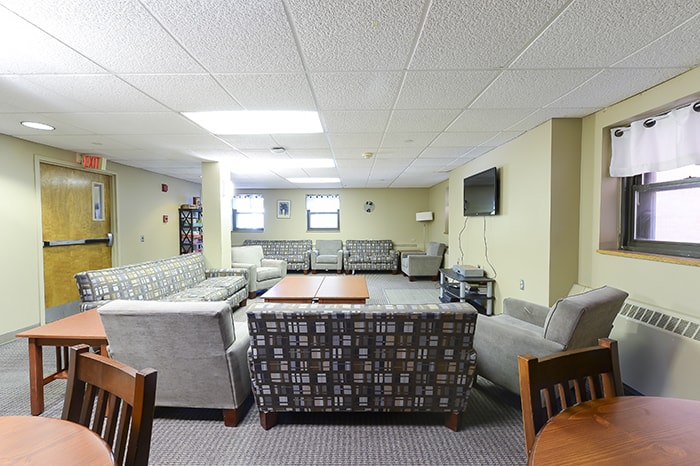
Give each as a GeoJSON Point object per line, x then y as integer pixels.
{"type": "Point", "coordinates": [666, 285]}
{"type": "Point", "coordinates": [394, 216]}
{"type": "Point", "coordinates": [140, 207]}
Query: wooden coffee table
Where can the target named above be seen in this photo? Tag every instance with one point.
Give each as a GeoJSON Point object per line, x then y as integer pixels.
{"type": "Point", "coordinates": [294, 289]}
{"type": "Point", "coordinates": [324, 290]}
{"type": "Point", "coordinates": [85, 327]}
{"type": "Point", "coordinates": [350, 289]}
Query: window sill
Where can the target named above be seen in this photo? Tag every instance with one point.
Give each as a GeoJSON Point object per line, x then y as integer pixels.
{"type": "Point", "coordinates": [651, 257]}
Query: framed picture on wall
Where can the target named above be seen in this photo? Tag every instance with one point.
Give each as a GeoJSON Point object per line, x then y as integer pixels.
{"type": "Point", "coordinates": [284, 209]}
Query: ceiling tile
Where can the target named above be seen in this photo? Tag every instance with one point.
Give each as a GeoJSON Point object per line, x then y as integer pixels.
{"type": "Point", "coordinates": [337, 35]}
{"type": "Point", "coordinates": [356, 91]}
{"type": "Point", "coordinates": [488, 119]}
{"type": "Point", "coordinates": [614, 85]}
{"type": "Point", "coordinates": [442, 89]}
{"type": "Point", "coordinates": [245, 36]}
{"type": "Point", "coordinates": [34, 51]}
{"type": "Point", "coordinates": [423, 120]}
{"type": "Point", "coordinates": [530, 88]}
{"type": "Point", "coordinates": [453, 37]}
{"type": "Point", "coordinates": [355, 121]}
{"type": "Point", "coordinates": [598, 33]}
{"type": "Point", "coordinates": [267, 91]}
{"type": "Point", "coordinates": [184, 92]}
{"type": "Point", "coordinates": [105, 32]}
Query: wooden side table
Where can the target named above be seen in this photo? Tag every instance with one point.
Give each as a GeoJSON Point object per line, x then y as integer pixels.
{"type": "Point", "coordinates": [85, 327]}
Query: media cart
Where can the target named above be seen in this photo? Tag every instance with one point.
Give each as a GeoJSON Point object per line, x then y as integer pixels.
{"type": "Point", "coordinates": [477, 291]}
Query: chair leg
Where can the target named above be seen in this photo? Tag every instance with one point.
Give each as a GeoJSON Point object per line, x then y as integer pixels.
{"type": "Point", "coordinates": [252, 295]}
{"type": "Point", "coordinates": [268, 420]}
{"type": "Point", "coordinates": [231, 417]}
{"type": "Point", "coordinates": [452, 421]}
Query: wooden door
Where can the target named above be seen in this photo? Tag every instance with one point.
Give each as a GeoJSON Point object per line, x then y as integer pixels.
{"type": "Point", "coordinates": [75, 205]}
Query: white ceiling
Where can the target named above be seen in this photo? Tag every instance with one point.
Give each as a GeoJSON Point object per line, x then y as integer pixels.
{"type": "Point", "coordinates": [424, 85]}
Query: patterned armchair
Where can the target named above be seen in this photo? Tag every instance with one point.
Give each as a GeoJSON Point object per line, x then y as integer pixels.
{"type": "Point", "coordinates": [370, 254]}
{"type": "Point", "coordinates": [349, 357]}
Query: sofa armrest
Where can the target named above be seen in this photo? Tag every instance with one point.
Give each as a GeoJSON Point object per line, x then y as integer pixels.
{"type": "Point", "coordinates": [279, 263]}
{"type": "Point", "coordinates": [209, 273]}
{"type": "Point", "coordinates": [499, 340]}
{"type": "Point", "coordinates": [526, 311]}
{"type": "Point", "coordinates": [237, 360]}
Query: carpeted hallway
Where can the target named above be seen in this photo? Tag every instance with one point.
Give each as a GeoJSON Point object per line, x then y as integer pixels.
{"type": "Point", "coordinates": [491, 433]}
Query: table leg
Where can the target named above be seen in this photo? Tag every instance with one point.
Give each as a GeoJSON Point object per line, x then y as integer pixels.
{"type": "Point", "coordinates": [36, 377]}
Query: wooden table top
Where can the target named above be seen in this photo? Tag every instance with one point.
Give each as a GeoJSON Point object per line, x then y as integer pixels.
{"type": "Point", "coordinates": [306, 289]}
{"type": "Point", "coordinates": [84, 326]}
{"type": "Point", "coordinates": [301, 288]}
{"type": "Point", "coordinates": [45, 440]}
{"type": "Point", "coordinates": [639, 430]}
{"type": "Point", "coordinates": [349, 286]}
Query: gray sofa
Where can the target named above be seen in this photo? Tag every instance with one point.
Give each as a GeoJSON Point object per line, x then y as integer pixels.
{"type": "Point", "coordinates": [294, 251]}
{"type": "Point", "coordinates": [177, 278]}
{"type": "Point", "coordinates": [197, 348]}
{"type": "Point", "coordinates": [345, 357]}
{"type": "Point", "coordinates": [572, 322]}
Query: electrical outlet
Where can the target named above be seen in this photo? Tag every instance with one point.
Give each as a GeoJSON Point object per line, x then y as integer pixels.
{"type": "Point", "coordinates": [522, 283]}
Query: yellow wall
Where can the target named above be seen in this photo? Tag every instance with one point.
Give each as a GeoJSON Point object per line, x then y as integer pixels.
{"type": "Point", "coordinates": [666, 285]}
{"type": "Point", "coordinates": [140, 207]}
{"type": "Point", "coordinates": [394, 215]}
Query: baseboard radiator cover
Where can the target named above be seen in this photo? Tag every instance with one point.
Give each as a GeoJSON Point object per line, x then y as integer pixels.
{"type": "Point", "coordinates": [659, 351]}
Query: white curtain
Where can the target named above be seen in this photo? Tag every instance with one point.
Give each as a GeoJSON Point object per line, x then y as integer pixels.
{"type": "Point", "coordinates": [656, 144]}
{"type": "Point", "coordinates": [322, 202]}
{"type": "Point", "coordinates": [249, 203]}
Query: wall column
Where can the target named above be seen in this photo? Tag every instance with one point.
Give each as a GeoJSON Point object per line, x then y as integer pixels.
{"type": "Point", "coordinates": [217, 194]}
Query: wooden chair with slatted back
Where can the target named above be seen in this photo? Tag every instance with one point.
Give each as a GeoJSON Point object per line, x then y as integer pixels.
{"type": "Point", "coordinates": [550, 384]}
{"type": "Point", "coordinates": [113, 400]}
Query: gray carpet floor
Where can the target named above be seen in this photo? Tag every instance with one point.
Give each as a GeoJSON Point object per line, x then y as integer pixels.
{"type": "Point", "coordinates": [491, 432]}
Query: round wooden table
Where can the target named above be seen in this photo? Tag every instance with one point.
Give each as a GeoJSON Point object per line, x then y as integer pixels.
{"type": "Point", "coordinates": [45, 440]}
{"type": "Point", "coordinates": [639, 430]}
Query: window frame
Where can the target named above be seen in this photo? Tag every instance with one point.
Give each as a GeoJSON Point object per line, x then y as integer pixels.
{"type": "Point", "coordinates": [631, 187]}
{"type": "Point", "coordinates": [309, 214]}
{"type": "Point", "coordinates": [235, 213]}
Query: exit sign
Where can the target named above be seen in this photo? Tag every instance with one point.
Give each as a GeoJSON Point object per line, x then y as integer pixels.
{"type": "Point", "coordinates": [94, 162]}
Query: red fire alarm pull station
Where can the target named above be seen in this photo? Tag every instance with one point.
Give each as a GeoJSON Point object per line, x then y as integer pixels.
{"type": "Point", "coordinates": [164, 188]}
{"type": "Point", "coordinates": [165, 219]}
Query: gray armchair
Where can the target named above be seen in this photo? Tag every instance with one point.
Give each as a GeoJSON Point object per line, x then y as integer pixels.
{"type": "Point", "coordinates": [525, 328]}
{"type": "Point", "coordinates": [262, 273]}
{"type": "Point", "coordinates": [197, 348]}
{"type": "Point", "coordinates": [423, 264]}
{"type": "Point", "coordinates": [327, 255]}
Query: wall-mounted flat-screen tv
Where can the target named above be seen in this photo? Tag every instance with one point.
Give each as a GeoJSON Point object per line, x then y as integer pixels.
{"type": "Point", "coordinates": [481, 193]}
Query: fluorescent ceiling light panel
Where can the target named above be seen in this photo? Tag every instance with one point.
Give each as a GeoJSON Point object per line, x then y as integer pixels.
{"type": "Point", "coordinates": [255, 165]}
{"type": "Point", "coordinates": [37, 125]}
{"type": "Point", "coordinates": [313, 180]}
{"type": "Point", "coordinates": [257, 122]}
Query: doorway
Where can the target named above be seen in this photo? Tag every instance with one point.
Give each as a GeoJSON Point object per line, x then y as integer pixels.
{"type": "Point", "coordinates": [76, 222]}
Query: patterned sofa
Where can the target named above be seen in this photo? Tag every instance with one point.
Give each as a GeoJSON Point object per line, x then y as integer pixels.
{"type": "Point", "coordinates": [370, 254]}
{"type": "Point", "coordinates": [177, 278]}
{"type": "Point", "coordinates": [350, 357]}
{"type": "Point", "coordinates": [294, 251]}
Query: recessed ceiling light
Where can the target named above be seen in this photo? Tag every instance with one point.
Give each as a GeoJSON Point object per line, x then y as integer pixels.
{"type": "Point", "coordinates": [257, 122]}
{"type": "Point", "coordinates": [313, 180]}
{"type": "Point", "coordinates": [36, 125]}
